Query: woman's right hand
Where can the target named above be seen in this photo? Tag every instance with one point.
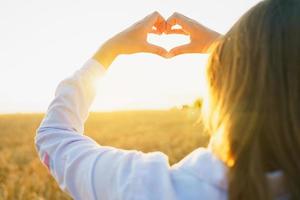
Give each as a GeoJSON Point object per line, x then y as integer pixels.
{"type": "Point", "coordinates": [133, 40]}
{"type": "Point", "coordinates": [201, 37]}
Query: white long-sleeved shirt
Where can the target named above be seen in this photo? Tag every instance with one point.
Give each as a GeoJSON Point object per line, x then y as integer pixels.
{"type": "Point", "coordinates": [86, 170]}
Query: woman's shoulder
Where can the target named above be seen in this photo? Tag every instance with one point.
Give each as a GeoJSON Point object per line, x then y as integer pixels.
{"type": "Point", "coordinates": [204, 165]}
{"type": "Point", "coordinates": [200, 175]}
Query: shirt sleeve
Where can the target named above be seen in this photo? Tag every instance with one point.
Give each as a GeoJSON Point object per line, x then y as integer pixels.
{"type": "Point", "coordinates": [81, 167]}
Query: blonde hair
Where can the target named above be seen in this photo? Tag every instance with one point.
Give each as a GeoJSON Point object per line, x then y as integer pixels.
{"type": "Point", "coordinates": [252, 105]}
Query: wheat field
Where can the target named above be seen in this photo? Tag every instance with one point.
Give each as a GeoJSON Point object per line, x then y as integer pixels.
{"type": "Point", "coordinates": [22, 176]}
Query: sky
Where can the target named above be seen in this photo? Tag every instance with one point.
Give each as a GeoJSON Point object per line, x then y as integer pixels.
{"type": "Point", "coordinates": [43, 42]}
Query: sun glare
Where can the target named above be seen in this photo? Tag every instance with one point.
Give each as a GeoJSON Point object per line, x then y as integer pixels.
{"type": "Point", "coordinates": [147, 81]}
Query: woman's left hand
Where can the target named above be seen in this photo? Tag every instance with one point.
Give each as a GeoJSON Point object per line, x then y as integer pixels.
{"type": "Point", "coordinates": [133, 40]}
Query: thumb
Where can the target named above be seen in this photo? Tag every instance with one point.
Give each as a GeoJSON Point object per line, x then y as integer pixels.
{"type": "Point", "coordinates": [179, 50]}
{"type": "Point", "coordinates": [151, 48]}
{"type": "Point", "coordinates": [176, 31]}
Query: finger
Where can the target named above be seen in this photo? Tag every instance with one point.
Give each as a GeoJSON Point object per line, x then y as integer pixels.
{"type": "Point", "coordinates": [157, 21]}
{"type": "Point", "coordinates": [151, 48]}
{"type": "Point", "coordinates": [179, 50]}
{"type": "Point", "coordinates": [177, 19]}
{"type": "Point", "coordinates": [174, 20]}
{"type": "Point", "coordinates": [177, 31]}
{"type": "Point", "coordinates": [158, 29]}
{"type": "Point", "coordinates": [154, 17]}
{"type": "Point", "coordinates": [160, 26]}
{"type": "Point", "coordinates": [155, 31]}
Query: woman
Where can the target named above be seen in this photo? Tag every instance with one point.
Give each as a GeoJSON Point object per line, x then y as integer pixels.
{"type": "Point", "coordinates": [251, 108]}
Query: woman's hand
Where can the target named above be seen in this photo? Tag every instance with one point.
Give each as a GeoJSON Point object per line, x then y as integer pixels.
{"type": "Point", "coordinates": [201, 37]}
{"type": "Point", "coordinates": [133, 40]}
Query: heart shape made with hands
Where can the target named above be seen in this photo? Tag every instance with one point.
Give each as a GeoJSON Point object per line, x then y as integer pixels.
{"type": "Point", "coordinates": [174, 30]}
{"type": "Point", "coordinates": [191, 37]}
